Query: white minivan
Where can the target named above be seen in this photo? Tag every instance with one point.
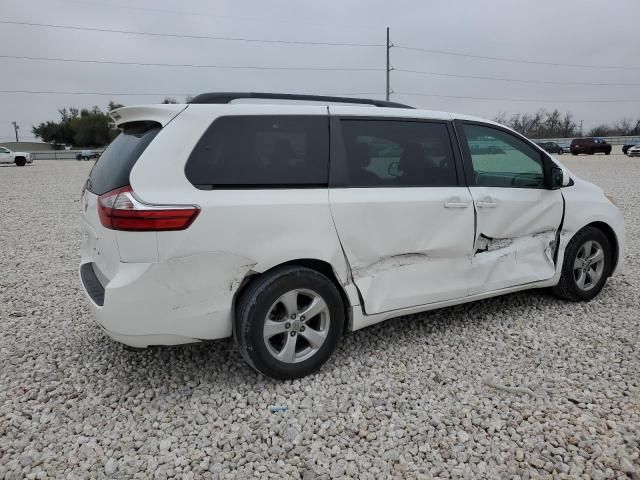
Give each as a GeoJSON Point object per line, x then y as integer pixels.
{"type": "Point", "coordinates": [287, 220]}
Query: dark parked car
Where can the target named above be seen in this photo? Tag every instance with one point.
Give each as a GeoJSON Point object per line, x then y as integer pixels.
{"type": "Point", "coordinates": [551, 147]}
{"type": "Point", "coordinates": [87, 155]}
{"type": "Point", "coordinates": [590, 146]}
{"type": "Point", "coordinates": [632, 143]}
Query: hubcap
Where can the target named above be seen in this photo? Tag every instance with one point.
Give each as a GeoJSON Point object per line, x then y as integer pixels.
{"type": "Point", "coordinates": [296, 326]}
{"type": "Point", "coordinates": [589, 265]}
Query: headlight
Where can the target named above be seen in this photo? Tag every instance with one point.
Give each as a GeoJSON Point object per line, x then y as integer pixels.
{"type": "Point", "coordinates": [611, 199]}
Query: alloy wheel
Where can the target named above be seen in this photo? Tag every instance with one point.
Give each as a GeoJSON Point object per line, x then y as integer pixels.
{"type": "Point", "coordinates": [588, 266]}
{"type": "Point", "coordinates": [296, 326]}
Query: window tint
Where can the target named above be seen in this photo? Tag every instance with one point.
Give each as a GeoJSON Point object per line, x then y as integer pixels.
{"type": "Point", "coordinates": [112, 169]}
{"type": "Point", "coordinates": [261, 151]}
{"type": "Point", "coordinates": [387, 153]}
{"type": "Point", "coordinates": [503, 160]}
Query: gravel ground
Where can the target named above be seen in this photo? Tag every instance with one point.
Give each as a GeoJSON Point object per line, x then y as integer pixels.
{"type": "Point", "coordinates": [522, 386]}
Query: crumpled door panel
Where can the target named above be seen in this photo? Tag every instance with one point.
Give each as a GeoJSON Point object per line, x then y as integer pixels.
{"type": "Point", "coordinates": [404, 246]}
{"type": "Point", "coordinates": [515, 237]}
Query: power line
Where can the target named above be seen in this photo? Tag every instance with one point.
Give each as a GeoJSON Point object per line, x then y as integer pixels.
{"type": "Point", "coordinates": [198, 37]}
{"type": "Point", "coordinates": [120, 94]}
{"type": "Point", "coordinates": [346, 69]}
{"type": "Point", "coordinates": [212, 15]}
{"type": "Point", "coordinates": [517, 80]}
{"type": "Point", "coordinates": [529, 100]}
{"type": "Point", "coordinates": [189, 65]}
{"type": "Point", "coordinates": [514, 60]}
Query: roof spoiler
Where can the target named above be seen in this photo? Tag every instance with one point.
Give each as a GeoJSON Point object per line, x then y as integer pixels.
{"type": "Point", "coordinates": [162, 114]}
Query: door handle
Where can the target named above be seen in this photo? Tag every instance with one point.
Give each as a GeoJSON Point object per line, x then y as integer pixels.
{"type": "Point", "coordinates": [455, 203]}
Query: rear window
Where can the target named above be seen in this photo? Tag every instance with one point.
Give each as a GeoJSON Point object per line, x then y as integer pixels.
{"type": "Point", "coordinates": [112, 169]}
{"type": "Point", "coordinates": [265, 151]}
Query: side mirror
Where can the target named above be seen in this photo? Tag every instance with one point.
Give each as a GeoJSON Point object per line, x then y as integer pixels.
{"type": "Point", "coordinates": [559, 178]}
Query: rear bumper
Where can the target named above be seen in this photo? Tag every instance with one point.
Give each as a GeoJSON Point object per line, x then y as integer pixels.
{"type": "Point", "coordinates": [179, 301]}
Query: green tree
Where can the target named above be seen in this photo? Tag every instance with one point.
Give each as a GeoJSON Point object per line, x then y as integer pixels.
{"type": "Point", "coordinates": [79, 128]}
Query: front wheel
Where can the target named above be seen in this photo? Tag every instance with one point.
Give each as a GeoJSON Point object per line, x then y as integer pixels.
{"type": "Point", "coordinates": [587, 264]}
{"type": "Point", "coordinates": [288, 322]}
{"type": "Point", "coordinates": [21, 161]}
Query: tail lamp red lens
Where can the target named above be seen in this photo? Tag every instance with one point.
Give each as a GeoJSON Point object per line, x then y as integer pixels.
{"type": "Point", "coordinates": [120, 210]}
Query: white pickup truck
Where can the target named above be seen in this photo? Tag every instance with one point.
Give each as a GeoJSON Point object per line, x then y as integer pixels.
{"type": "Point", "coordinates": [19, 158]}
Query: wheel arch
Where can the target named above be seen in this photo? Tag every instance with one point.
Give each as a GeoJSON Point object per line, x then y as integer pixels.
{"type": "Point", "coordinates": [319, 266]}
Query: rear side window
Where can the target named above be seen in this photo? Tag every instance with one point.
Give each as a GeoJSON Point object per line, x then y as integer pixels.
{"type": "Point", "coordinates": [112, 169]}
{"type": "Point", "coordinates": [394, 153]}
{"type": "Point", "coordinates": [262, 151]}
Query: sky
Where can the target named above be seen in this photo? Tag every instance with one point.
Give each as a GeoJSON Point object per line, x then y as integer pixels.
{"type": "Point", "coordinates": [563, 51]}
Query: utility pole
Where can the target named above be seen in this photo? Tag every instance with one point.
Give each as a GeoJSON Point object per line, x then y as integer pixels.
{"type": "Point", "coordinates": [16, 127]}
{"type": "Point", "coordinates": [580, 127]}
{"type": "Point", "coordinates": [388, 90]}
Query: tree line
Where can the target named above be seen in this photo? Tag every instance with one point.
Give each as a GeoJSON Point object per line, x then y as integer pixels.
{"type": "Point", "coordinates": [554, 124]}
{"type": "Point", "coordinates": [81, 127]}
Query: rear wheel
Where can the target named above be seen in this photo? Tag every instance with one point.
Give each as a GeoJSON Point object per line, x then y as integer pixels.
{"type": "Point", "coordinates": [587, 264]}
{"type": "Point", "coordinates": [21, 161]}
{"type": "Point", "coordinates": [288, 322]}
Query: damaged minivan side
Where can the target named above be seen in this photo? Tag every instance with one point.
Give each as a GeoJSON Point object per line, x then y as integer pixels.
{"type": "Point", "coordinates": [287, 225]}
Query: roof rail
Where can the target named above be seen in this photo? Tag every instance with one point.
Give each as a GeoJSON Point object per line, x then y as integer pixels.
{"type": "Point", "coordinates": [227, 97]}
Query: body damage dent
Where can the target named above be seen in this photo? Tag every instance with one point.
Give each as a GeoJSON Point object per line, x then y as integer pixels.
{"type": "Point", "coordinates": [389, 262]}
{"type": "Point", "coordinates": [505, 262]}
{"type": "Point", "coordinates": [210, 281]}
{"type": "Point", "coordinates": [487, 244]}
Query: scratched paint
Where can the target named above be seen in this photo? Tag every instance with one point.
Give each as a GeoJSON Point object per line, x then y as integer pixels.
{"type": "Point", "coordinates": [390, 262]}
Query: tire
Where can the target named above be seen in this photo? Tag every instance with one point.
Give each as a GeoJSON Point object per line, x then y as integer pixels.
{"type": "Point", "coordinates": [568, 287]}
{"type": "Point", "coordinates": [607, 152]}
{"type": "Point", "coordinates": [265, 300]}
{"type": "Point", "coordinates": [21, 161]}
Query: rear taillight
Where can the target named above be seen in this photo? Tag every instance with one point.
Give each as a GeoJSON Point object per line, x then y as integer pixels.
{"type": "Point", "coordinates": [120, 210]}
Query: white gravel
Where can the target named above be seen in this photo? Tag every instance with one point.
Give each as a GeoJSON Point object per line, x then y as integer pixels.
{"type": "Point", "coordinates": [522, 386]}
